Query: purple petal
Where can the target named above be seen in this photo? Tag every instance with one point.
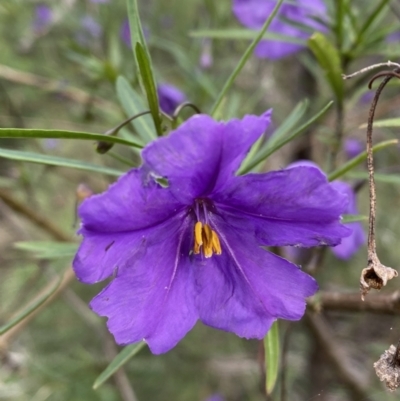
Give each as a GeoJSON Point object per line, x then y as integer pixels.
{"type": "Point", "coordinates": [295, 206]}
{"type": "Point", "coordinates": [202, 154]}
{"type": "Point", "coordinates": [246, 288]}
{"type": "Point", "coordinates": [129, 204]}
{"type": "Point", "coordinates": [125, 33]}
{"type": "Point", "coordinates": [351, 244]}
{"type": "Point", "coordinates": [170, 97]}
{"type": "Point", "coordinates": [253, 14]}
{"type": "Point", "coordinates": [151, 297]}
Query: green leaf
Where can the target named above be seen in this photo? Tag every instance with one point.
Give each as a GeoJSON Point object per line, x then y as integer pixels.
{"type": "Point", "coordinates": [133, 104]}
{"type": "Point", "coordinates": [346, 167]}
{"type": "Point", "coordinates": [243, 34]}
{"type": "Point", "coordinates": [249, 51]}
{"type": "Point", "coordinates": [48, 249]}
{"type": "Point", "coordinates": [143, 63]}
{"type": "Point", "coordinates": [379, 177]}
{"type": "Point", "coordinates": [329, 59]}
{"type": "Point", "coordinates": [387, 123]}
{"type": "Point", "coordinates": [272, 355]}
{"type": "Point", "coordinates": [31, 308]}
{"type": "Point", "coordinates": [291, 121]}
{"type": "Point", "coordinates": [266, 152]}
{"type": "Point", "coordinates": [149, 85]}
{"type": "Point", "coordinates": [121, 359]}
{"type": "Point", "coordinates": [351, 218]}
{"type": "Point", "coordinates": [56, 161]}
{"type": "Point", "coordinates": [18, 133]}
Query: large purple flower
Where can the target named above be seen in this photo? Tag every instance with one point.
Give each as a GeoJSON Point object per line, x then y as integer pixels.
{"type": "Point", "coordinates": [296, 19]}
{"type": "Point", "coordinates": [192, 249]}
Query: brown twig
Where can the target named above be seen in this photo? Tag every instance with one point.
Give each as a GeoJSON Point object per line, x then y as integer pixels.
{"type": "Point", "coordinates": [337, 356]}
{"type": "Point", "coordinates": [55, 86]}
{"type": "Point", "coordinates": [33, 216]}
{"type": "Point", "coordinates": [375, 275]}
{"type": "Point", "coordinates": [388, 304]}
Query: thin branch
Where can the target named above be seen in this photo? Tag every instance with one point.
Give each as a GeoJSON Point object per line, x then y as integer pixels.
{"type": "Point", "coordinates": [33, 216]}
{"type": "Point", "coordinates": [388, 304]}
{"type": "Point", "coordinates": [371, 67]}
{"type": "Point", "coordinates": [337, 356]}
{"type": "Point", "coordinates": [55, 86]}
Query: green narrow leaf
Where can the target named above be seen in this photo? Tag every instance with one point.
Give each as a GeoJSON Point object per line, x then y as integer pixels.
{"type": "Point", "coordinates": [329, 59]}
{"type": "Point", "coordinates": [133, 104]}
{"type": "Point", "coordinates": [272, 355]}
{"type": "Point", "coordinates": [290, 122]}
{"type": "Point", "coordinates": [249, 51]}
{"type": "Point", "coordinates": [121, 359]}
{"type": "Point", "coordinates": [243, 34]}
{"type": "Point", "coordinates": [265, 152]}
{"type": "Point", "coordinates": [48, 249]}
{"type": "Point", "coordinates": [56, 161]}
{"type": "Point", "coordinates": [61, 134]}
{"type": "Point", "coordinates": [387, 123]}
{"type": "Point", "coordinates": [351, 218]}
{"type": "Point", "coordinates": [31, 308]}
{"type": "Point", "coordinates": [144, 65]}
{"type": "Point", "coordinates": [344, 168]}
{"type": "Point", "coordinates": [147, 80]}
{"type": "Point", "coordinates": [379, 177]}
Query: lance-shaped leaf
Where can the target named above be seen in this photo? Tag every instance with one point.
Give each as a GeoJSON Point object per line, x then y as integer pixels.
{"type": "Point", "coordinates": [329, 59]}
{"type": "Point", "coordinates": [272, 354]}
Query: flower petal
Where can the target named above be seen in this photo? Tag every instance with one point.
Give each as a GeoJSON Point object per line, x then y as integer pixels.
{"type": "Point", "coordinates": [131, 203]}
{"type": "Point", "coordinates": [246, 288]}
{"type": "Point", "coordinates": [295, 206]}
{"type": "Point", "coordinates": [151, 297]}
{"type": "Point", "coordinates": [351, 244]}
{"type": "Point", "coordinates": [203, 153]}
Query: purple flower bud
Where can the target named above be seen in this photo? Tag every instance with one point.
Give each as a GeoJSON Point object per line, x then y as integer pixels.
{"type": "Point", "coordinates": [99, 1]}
{"type": "Point", "coordinates": [206, 58]}
{"type": "Point", "coordinates": [43, 18]}
{"type": "Point", "coordinates": [170, 97]}
{"type": "Point", "coordinates": [353, 147]}
{"type": "Point", "coordinates": [91, 26]}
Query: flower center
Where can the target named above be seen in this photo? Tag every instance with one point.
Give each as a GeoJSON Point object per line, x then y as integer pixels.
{"type": "Point", "coordinates": [206, 240]}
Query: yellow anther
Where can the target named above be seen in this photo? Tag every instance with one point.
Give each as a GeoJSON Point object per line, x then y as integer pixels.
{"type": "Point", "coordinates": [216, 245]}
{"type": "Point", "coordinates": [206, 238]}
{"type": "Point", "coordinates": [197, 233]}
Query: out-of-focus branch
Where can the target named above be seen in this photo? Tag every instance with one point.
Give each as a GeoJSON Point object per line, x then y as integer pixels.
{"type": "Point", "coordinates": [337, 356]}
{"type": "Point", "coordinates": [7, 337]}
{"type": "Point", "coordinates": [33, 216]}
{"type": "Point", "coordinates": [55, 86]}
{"type": "Point", "coordinates": [351, 302]}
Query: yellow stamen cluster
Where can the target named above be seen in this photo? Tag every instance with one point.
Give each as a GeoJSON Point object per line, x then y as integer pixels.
{"type": "Point", "coordinates": [207, 238]}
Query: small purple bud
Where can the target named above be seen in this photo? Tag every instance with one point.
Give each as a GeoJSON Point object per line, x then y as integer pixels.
{"type": "Point", "coordinates": [91, 26]}
{"type": "Point", "coordinates": [170, 97]}
{"type": "Point", "coordinates": [206, 58]}
{"type": "Point", "coordinates": [43, 18]}
{"type": "Point", "coordinates": [353, 147]}
{"type": "Point", "coordinates": [125, 33]}
{"type": "Point", "coordinates": [99, 1]}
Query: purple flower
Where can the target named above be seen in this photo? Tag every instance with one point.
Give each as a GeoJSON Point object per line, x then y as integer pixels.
{"type": "Point", "coordinates": [206, 58]}
{"type": "Point", "coordinates": [215, 397]}
{"type": "Point", "coordinates": [193, 249]}
{"type": "Point", "coordinates": [125, 33]}
{"type": "Point", "coordinates": [352, 243]}
{"type": "Point", "coordinates": [253, 14]}
{"type": "Point", "coordinates": [91, 26]}
{"type": "Point", "coordinates": [170, 97]}
{"type": "Point", "coordinates": [353, 147]}
{"type": "Point", "coordinates": [43, 18]}
{"type": "Point", "coordinates": [99, 1]}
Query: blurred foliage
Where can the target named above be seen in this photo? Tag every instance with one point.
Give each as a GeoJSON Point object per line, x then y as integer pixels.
{"type": "Point", "coordinates": [75, 65]}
